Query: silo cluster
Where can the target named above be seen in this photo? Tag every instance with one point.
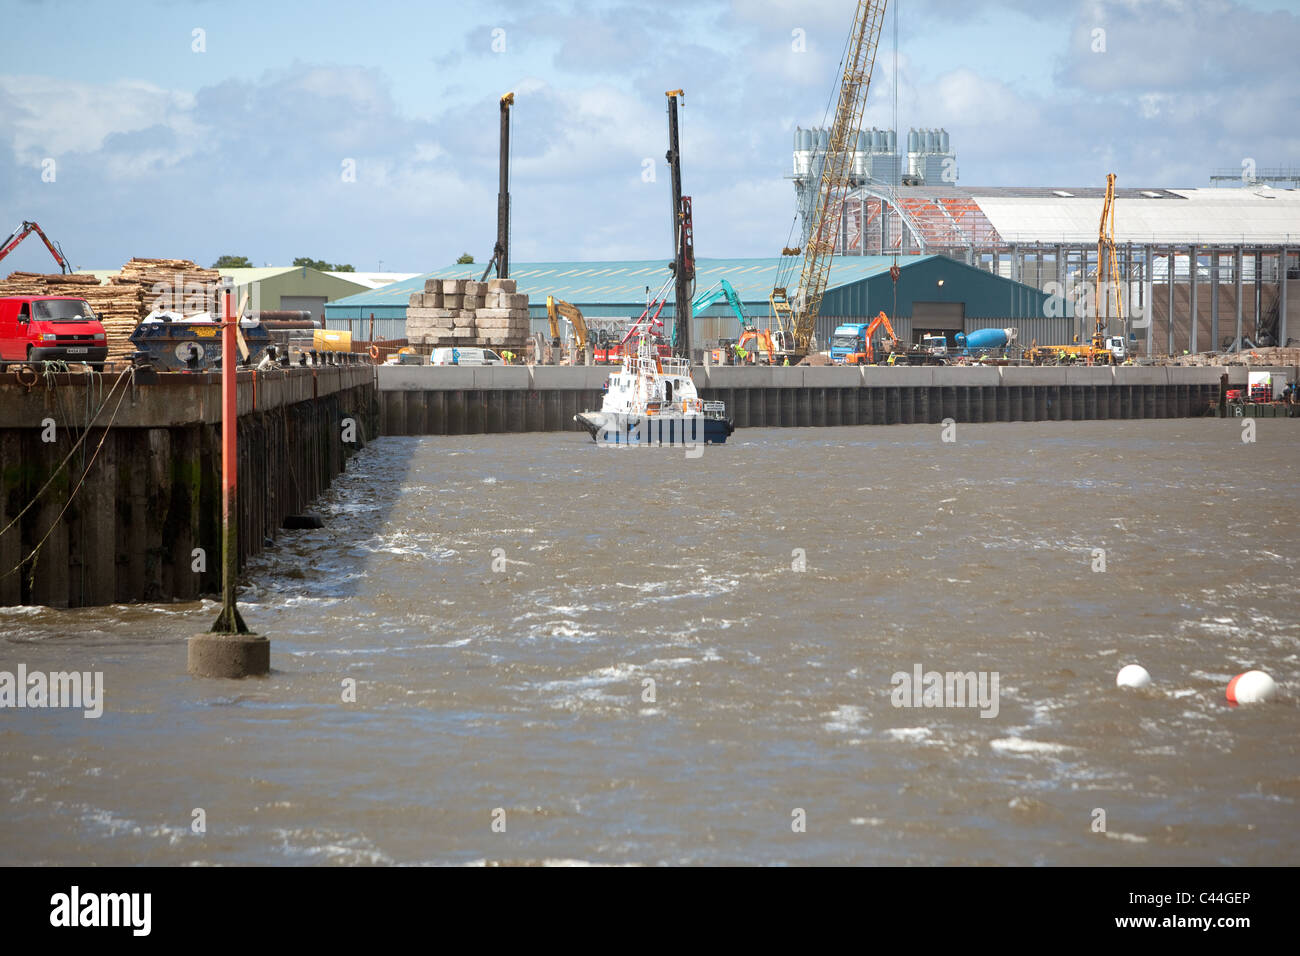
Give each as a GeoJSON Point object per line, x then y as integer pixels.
{"type": "Point", "coordinates": [930, 159]}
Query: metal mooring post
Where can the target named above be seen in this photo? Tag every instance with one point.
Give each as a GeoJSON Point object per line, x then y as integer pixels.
{"type": "Point", "coordinates": [229, 649]}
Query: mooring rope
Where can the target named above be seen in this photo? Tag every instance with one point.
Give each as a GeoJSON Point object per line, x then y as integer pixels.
{"type": "Point", "coordinates": [31, 582]}
{"type": "Point", "coordinates": [72, 452]}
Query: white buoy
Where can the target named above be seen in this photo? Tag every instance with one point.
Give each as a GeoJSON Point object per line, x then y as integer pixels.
{"type": "Point", "coordinates": [1252, 687]}
{"type": "Point", "coordinates": [1132, 675]}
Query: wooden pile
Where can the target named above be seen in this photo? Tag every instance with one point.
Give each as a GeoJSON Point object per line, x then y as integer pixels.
{"type": "Point", "coordinates": [142, 286]}
{"type": "Point", "coordinates": [1265, 355]}
{"type": "Point", "coordinates": [1269, 355]}
{"type": "Point", "coordinates": [461, 312]}
{"type": "Point", "coordinates": [174, 285]}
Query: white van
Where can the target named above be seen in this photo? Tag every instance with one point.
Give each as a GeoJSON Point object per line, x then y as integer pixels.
{"type": "Point", "coordinates": [466, 356]}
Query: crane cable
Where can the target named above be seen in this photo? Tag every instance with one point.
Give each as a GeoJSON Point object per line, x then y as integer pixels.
{"type": "Point", "coordinates": [784, 269]}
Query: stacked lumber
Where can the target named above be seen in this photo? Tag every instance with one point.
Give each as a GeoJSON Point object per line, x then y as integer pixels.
{"type": "Point", "coordinates": [461, 312]}
{"type": "Point", "coordinates": [173, 285]}
{"type": "Point", "coordinates": [142, 286]}
{"type": "Point", "coordinates": [117, 305]}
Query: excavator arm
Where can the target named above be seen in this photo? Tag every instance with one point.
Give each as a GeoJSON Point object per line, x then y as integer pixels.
{"type": "Point", "coordinates": [880, 320]}
{"type": "Point", "coordinates": [558, 307]}
{"type": "Point", "coordinates": [723, 290]}
{"type": "Point", "coordinates": [25, 230]}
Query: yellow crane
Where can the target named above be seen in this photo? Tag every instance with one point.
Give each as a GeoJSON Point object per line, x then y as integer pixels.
{"type": "Point", "coordinates": [1107, 262]}
{"type": "Point", "coordinates": [797, 315]}
{"type": "Point", "coordinates": [558, 307]}
{"type": "Point", "coordinates": [1103, 349]}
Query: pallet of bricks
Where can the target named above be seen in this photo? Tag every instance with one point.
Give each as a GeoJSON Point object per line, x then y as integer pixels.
{"type": "Point", "coordinates": [462, 312]}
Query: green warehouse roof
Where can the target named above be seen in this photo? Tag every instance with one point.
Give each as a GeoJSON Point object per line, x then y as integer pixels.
{"type": "Point", "coordinates": [624, 283]}
{"type": "Point", "coordinates": [859, 287]}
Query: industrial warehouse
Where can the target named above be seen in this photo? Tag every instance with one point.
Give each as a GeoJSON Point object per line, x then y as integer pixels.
{"type": "Point", "coordinates": [934, 293]}
{"type": "Point", "coordinates": [1035, 243]}
{"type": "Point", "coordinates": [679, 459]}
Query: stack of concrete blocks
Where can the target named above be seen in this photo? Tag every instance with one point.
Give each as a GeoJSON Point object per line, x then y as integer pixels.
{"type": "Point", "coordinates": [503, 319]}
{"type": "Point", "coordinates": [462, 312]}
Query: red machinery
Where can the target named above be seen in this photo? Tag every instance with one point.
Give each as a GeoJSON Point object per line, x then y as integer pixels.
{"type": "Point", "coordinates": [26, 229]}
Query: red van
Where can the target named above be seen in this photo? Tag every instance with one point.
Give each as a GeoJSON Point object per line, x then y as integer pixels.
{"type": "Point", "coordinates": [35, 328]}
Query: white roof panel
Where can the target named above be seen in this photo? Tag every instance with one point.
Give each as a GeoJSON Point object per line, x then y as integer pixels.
{"type": "Point", "coordinates": [1202, 215]}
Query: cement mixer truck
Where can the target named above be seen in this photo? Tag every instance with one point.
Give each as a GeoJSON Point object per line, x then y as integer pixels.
{"type": "Point", "coordinates": [983, 341]}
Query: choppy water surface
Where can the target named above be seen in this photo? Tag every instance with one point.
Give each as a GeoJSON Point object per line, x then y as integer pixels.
{"type": "Point", "coordinates": [524, 688]}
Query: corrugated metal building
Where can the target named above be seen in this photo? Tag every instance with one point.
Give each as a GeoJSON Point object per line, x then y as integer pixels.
{"type": "Point", "coordinates": [933, 293]}
{"type": "Point", "coordinates": [291, 287]}
{"type": "Point", "coordinates": [1241, 244]}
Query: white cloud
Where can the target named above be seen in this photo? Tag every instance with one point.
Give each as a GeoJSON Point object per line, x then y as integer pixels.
{"type": "Point", "coordinates": [57, 116]}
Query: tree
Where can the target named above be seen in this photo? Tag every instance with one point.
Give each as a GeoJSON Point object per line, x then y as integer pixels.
{"type": "Point", "coordinates": [320, 265]}
{"type": "Point", "coordinates": [465, 259]}
{"type": "Point", "coordinates": [232, 262]}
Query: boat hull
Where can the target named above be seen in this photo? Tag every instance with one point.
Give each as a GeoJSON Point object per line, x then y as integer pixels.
{"type": "Point", "coordinates": [617, 428]}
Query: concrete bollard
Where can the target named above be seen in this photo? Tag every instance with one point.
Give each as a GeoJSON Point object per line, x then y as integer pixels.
{"type": "Point", "coordinates": [229, 655]}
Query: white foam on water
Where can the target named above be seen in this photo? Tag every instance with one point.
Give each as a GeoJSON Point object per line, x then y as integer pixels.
{"type": "Point", "coordinates": [1018, 745]}
{"type": "Point", "coordinates": [353, 850]}
{"type": "Point", "coordinates": [671, 662]}
{"type": "Point", "coordinates": [550, 861]}
{"type": "Point", "coordinates": [846, 717]}
{"type": "Point", "coordinates": [600, 678]}
{"type": "Point", "coordinates": [1126, 837]}
{"type": "Point", "coordinates": [559, 630]}
{"type": "Point", "coordinates": [1043, 710]}
{"type": "Point", "coordinates": [457, 643]}
{"type": "Point", "coordinates": [122, 826]}
{"type": "Point", "coordinates": [567, 610]}
{"type": "Point", "coordinates": [1215, 678]}
{"type": "Point", "coordinates": [912, 734]}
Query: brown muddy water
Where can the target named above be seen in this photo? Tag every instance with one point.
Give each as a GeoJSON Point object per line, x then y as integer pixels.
{"type": "Point", "coordinates": [501, 602]}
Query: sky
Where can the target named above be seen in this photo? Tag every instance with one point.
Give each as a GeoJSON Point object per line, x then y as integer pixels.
{"type": "Point", "coordinates": [367, 133]}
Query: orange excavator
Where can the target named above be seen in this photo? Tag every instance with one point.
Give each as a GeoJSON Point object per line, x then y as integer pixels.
{"type": "Point", "coordinates": [758, 340]}
{"type": "Point", "coordinates": [861, 351]}
{"type": "Point", "coordinates": [25, 230]}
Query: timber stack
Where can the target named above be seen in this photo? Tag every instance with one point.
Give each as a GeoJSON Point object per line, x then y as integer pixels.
{"type": "Point", "coordinates": [142, 285]}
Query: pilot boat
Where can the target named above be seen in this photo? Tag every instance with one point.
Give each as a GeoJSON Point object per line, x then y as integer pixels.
{"type": "Point", "coordinates": [652, 400]}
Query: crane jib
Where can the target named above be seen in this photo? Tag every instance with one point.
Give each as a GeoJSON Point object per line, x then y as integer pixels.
{"type": "Point", "coordinates": [855, 81]}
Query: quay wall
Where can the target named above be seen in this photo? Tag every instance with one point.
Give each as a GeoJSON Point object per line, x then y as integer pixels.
{"type": "Point", "coordinates": [440, 400]}
{"type": "Point", "coordinates": [122, 520]}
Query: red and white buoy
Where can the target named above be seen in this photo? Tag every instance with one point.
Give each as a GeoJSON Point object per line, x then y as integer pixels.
{"type": "Point", "coordinates": [1252, 687]}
